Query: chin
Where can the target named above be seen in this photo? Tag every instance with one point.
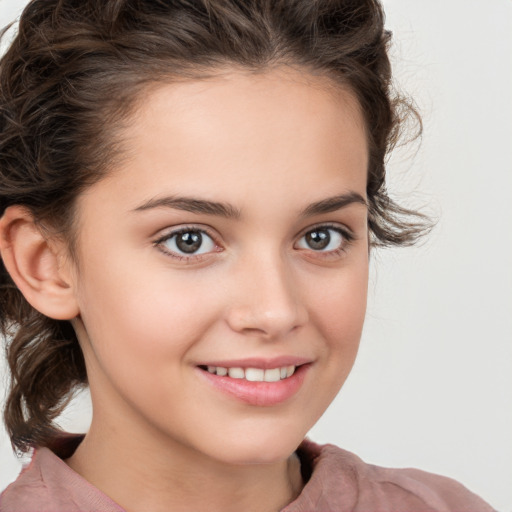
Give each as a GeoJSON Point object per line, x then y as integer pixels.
{"type": "Point", "coordinates": [259, 448]}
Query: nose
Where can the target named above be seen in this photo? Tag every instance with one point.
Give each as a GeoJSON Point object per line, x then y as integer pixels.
{"type": "Point", "coordinates": [266, 301]}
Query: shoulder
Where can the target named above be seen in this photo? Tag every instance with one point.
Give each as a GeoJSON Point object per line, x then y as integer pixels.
{"type": "Point", "coordinates": [27, 490]}
{"type": "Point", "coordinates": [340, 481]}
{"type": "Point", "coordinates": [48, 484]}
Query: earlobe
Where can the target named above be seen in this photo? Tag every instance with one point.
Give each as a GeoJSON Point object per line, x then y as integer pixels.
{"type": "Point", "coordinates": [36, 265]}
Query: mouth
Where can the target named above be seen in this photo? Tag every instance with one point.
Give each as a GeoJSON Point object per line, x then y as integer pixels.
{"type": "Point", "coordinates": [252, 374]}
{"type": "Point", "coordinates": [254, 385]}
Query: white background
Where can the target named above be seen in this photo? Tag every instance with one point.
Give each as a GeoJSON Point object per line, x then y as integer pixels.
{"type": "Point", "coordinates": [432, 387]}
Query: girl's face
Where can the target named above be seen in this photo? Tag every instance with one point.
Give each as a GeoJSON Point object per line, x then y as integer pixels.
{"type": "Point", "coordinates": [232, 238]}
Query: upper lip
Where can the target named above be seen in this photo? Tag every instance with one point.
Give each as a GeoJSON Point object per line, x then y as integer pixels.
{"type": "Point", "coordinates": [258, 362]}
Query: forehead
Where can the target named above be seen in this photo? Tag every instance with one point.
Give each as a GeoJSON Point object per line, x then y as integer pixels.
{"type": "Point", "coordinates": [239, 134]}
{"type": "Point", "coordinates": [272, 100]}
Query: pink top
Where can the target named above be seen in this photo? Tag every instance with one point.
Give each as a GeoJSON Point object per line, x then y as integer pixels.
{"type": "Point", "coordinates": [337, 481]}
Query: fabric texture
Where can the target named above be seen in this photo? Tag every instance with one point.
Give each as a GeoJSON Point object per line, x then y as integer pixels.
{"type": "Point", "coordinates": [336, 481]}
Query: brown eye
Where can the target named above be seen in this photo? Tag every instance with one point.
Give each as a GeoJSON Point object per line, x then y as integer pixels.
{"type": "Point", "coordinates": [190, 242]}
{"type": "Point", "coordinates": [318, 240]}
{"type": "Point", "coordinates": [323, 239]}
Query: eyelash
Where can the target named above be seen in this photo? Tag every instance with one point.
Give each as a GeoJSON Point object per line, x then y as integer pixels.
{"type": "Point", "coordinates": [347, 236]}
{"type": "Point", "coordinates": [186, 229]}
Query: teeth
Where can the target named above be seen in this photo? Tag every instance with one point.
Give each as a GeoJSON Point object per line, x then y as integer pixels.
{"type": "Point", "coordinates": [236, 373]}
{"type": "Point", "coordinates": [272, 375]}
{"type": "Point", "coordinates": [254, 374]}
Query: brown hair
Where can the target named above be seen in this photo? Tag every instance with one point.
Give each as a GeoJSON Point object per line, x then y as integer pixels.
{"type": "Point", "coordinates": [73, 73]}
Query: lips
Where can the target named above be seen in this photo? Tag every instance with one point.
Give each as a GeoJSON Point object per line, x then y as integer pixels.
{"type": "Point", "coordinates": [254, 374]}
{"type": "Point", "coordinates": [256, 382]}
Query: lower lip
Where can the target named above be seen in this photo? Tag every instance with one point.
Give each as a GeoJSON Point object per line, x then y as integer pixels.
{"type": "Point", "coordinates": [263, 394]}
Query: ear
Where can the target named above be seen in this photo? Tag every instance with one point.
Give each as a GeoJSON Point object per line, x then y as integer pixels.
{"type": "Point", "coordinates": [38, 265]}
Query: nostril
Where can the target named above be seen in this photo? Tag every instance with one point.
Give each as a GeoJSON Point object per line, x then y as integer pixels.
{"type": "Point", "coordinates": [269, 321]}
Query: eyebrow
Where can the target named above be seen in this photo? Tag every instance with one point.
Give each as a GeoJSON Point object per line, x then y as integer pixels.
{"type": "Point", "coordinates": [194, 205]}
{"type": "Point", "coordinates": [332, 204]}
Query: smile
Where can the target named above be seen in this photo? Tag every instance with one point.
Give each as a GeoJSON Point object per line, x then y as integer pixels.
{"type": "Point", "coordinates": [254, 374]}
{"type": "Point", "coordinates": [254, 385]}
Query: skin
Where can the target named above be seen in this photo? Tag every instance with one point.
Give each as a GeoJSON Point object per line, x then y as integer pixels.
{"type": "Point", "coordinates": [269, 145]}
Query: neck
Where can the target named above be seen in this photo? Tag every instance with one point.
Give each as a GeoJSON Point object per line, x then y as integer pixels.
{"type": "Point", "coordinates": [157, 475]}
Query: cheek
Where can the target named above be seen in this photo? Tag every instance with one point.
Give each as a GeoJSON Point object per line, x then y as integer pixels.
{"type": "Point", "coordinates": [343, 313]}
{"type": "Point", "coordinates": [340, 307]}
{"type": "Point", "coordinates": [338, 314]}
{"type": "Point", "coordinates": [141, 315]}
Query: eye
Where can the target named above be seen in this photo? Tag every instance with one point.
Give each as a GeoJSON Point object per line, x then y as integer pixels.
{"type": "Point", "coordinates": [324, 239]}
{"type": "Point", "coordinates": [187, 242]}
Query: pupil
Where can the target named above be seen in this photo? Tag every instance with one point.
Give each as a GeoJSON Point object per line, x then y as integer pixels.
{"type": "Point", "coordinates": [318, 239]}
{"type": "Point", "coordinates": [189, 242]}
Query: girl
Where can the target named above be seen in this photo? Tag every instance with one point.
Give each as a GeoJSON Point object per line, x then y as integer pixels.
{"type": "Point", "coordinates": [190, 193]}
